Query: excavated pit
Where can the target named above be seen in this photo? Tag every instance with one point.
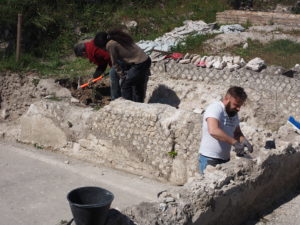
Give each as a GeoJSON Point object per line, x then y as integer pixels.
{"type": "Point", "coordinates": [95, 95]}
{"type": "Point", "coordinates": [18, 91]}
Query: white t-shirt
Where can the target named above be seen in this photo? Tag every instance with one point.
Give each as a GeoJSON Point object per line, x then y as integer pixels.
{"type": "Point", "coordinates": [210, 146]}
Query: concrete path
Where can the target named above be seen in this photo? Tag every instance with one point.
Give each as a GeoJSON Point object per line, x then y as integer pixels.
{"type": "Point", "coordinates": [34, 184]}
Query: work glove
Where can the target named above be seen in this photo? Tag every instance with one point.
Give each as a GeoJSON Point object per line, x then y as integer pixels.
{"type": "Point", "coordinates": [247, 144]}
{"type": "Point", "coordinates": [238, 148]}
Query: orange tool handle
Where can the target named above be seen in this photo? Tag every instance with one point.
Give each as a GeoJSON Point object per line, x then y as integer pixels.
{"type": "Point", "coordinates": [93, 81]}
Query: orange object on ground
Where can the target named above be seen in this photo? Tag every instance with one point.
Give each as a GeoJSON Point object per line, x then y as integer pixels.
{"type": "Point", "coordinates": [93, 80]}
{"type": "Point", "coordinates": [172, 55]}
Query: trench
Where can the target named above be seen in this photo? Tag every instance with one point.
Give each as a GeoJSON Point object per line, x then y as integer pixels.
{"type": "Point", "coordinates": [96, 95]}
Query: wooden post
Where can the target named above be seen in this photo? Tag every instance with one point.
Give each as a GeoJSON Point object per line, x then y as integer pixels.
{"type": "Point", "coordinates": [18, 36]}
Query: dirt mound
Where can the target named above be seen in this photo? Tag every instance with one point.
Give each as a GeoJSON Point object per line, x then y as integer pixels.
{"type": "Point", "coordinates": [19, 90]}
{"type": "Point", "coordinates": [95, 95]}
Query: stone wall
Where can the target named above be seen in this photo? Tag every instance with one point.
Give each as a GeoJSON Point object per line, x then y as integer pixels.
{"type": "Point", "coordinates": [272, 97]}
{"type": "Point", "coordinates": [153, 140]}
{"type": "Point", "coordinates": [160, 139]}
{"type": "Point", "coordinates": [156, 140]}
{"type": "Point", "coordinates": [257, 18]}
{"type": "Point", "coordinates": [229, 194]}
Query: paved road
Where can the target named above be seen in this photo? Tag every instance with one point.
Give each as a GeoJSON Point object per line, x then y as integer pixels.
{"type": "Point", "coordinates": [34, 184]}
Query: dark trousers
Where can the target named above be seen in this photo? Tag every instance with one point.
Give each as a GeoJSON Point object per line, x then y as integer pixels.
{"type": "Point", "coordinates": [134, 85]}
{"type": "Point", "coordinates": [115, 90]}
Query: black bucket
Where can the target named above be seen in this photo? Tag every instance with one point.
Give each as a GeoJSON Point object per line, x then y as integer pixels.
{"type": "Point", "coordinates": [90, 205]}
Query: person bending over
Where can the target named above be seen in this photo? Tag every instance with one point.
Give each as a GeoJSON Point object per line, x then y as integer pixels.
{"type": "Point", "coordinates": [101, 58]}
{"type": "Point", "coordinates": [130, 62]}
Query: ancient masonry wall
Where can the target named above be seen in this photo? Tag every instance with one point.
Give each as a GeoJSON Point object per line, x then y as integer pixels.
{"type": "Point", "coordinates": [157, 140]}
{"type": "Point", "coordinates": [257, 18]}
{"type": "Point", "coordinates": [230, 194]}
{"type": "Point", "coordinates": [277, 96]}
{"type": "Point", "coordinates": [154, 140]}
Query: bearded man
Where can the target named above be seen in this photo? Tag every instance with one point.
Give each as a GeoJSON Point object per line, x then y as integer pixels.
{"type": "Point", "coordinates": [221, 130]}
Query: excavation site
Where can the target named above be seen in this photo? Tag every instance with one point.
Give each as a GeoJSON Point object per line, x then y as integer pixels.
{"type": "Point", "coordinates": [159, 140]}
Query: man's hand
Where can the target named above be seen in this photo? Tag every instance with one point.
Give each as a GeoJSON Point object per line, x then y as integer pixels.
{"type": "Point", "coordinates": [247, 144]}
{"type": "Point", "coordinates": [238, 148]}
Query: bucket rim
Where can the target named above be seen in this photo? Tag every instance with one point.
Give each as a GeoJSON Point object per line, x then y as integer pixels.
{"type": "Point", "coordinates": [108, 202]}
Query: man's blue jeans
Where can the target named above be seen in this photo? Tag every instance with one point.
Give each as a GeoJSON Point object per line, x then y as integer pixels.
{"type": "Point", "coordinates": [204, 161]}
{"type": "Point", "coordinates": [115, 90]}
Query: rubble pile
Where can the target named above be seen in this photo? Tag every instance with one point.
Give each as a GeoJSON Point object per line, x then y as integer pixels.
{"type": "Point", "coordinates": [19, 91]}
{"type": "Point", "coordinates": [226, 194]}
{"type": "Point", "coordinates": [230, 63]}
{"type": "Point", "coordinates": [178, 34]}
{"type": "Point", "coordinates": [217, 62]}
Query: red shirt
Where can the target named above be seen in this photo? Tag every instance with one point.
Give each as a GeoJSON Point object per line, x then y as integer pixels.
{"type": "Point", "coordinates": [97, 55]}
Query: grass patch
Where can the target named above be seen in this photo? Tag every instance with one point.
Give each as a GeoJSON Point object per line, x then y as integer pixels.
{"type": "Point", "coordinates": [281, 52]}
{"type": "Point", "coordinates": [172, 154]}
{"type": "Point", "coordinates": [48, 29]}
{"type": "Point", "coordinates": [193, 44]}
{"type": "Point", "coordinates": [54, 66]}
{"type": "Point", "coordinates": [37, 146]}
{"type": "Point", "coordinates": [161, 18]}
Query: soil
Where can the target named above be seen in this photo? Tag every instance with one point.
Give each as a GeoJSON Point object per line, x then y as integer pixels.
{"type": "Point", "coordinates": [19, 90]}
{"type": "Point", "coordinates": [94, 95]}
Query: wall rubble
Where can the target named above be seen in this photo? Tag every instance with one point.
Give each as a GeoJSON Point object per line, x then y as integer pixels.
{"type": "Point", "coordinates": [228, 194]}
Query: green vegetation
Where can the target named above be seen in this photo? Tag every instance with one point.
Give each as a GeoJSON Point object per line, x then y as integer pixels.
{"type": "Point", "coordinates": [48, 30]}
{"type": "Point", "coordinates": [173, 154]}
{"type": "Point", "coordinates": [281, 52]}
{"type": "Point", "coordinates": [51, 28]}
{"type": "Point", "coordinates": [193, 44]}
{"type": "Point", "coordinates": [38, 146]}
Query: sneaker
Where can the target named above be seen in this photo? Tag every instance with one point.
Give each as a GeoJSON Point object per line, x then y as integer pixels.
{"type": "Point", "coordinates": [294, 122]}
